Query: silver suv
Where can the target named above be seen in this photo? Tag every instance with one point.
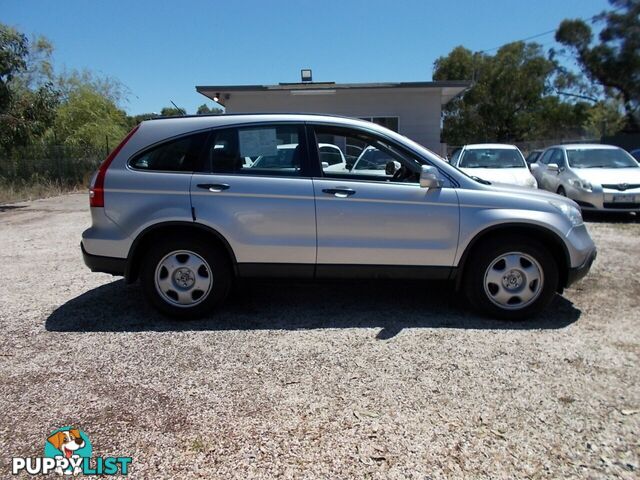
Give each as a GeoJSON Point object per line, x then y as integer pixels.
{"type": "Point", "coordinates": [189, 204]}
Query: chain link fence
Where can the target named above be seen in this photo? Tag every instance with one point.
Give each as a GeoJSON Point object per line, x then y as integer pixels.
{"type": "Point", "coordinates": [63, 164]}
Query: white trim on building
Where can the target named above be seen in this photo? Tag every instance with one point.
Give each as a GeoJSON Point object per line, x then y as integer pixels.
{"type": "Point", "coordinates": [416, 105]}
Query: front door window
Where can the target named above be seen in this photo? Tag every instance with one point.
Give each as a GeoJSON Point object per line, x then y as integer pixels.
{"type": "Point", "coordinates": [352, 154]}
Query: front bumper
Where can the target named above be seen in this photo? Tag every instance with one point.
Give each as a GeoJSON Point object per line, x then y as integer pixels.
{"type": "Point", "coordinates": [606, 200]}
{"type": "Point", "coordinates": [577, 273]}
{"type": "Point", "coordinates": [111, 265]}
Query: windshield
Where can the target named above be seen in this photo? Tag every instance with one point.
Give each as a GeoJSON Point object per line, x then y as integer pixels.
{"type": "Point", "coordinates": [491, 158]}
{"type": "Point", "coordinates": [600, 158]}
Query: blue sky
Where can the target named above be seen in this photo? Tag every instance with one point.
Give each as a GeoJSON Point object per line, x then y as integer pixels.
{"type": "Point", "coordinates": [161, 49]}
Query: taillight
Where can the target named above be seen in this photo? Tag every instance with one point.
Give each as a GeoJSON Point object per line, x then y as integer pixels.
{"type": "Point", "coordinates": [96, 190]}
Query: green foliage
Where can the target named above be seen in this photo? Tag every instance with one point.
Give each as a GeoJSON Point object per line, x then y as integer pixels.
{"type": "Point", "coordinates": [87, 117]}
{"type": "Point", "coordinates": [510, 98]}
{"type": "Point", "coordinates": [28, 116]}
{"type": "Point", "coordinates": [108, 87]}
{"type": "Point", "coordinates": [614, 61]}
{"type": "Point", "coordinates": [205, 110]}
{"type": "Point", "coordinates": [604, 119]}
{"type": "Point", "coordinates": [136, 119]}
{"type": "Point", "coordinates": [172, 112]}
{"type": "Point", "coordinates": [460, 64]}
{"type": "Point", "coordinates": [28, 98]}
{"type": "Point", "coordinates": [14, 48]}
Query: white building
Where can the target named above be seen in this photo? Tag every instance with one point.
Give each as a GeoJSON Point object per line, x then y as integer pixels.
{"type": "Point", "coordinates": [410, 108]}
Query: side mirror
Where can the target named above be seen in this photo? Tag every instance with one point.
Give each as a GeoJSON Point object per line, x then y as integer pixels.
{"type": "Point", "coordinates": [533, 166]}
{"type": "Point", "coordinates": [429, 177]}
{"type": "Point", "coordinates": [391, 167]}
{"type": "Point", "coordinates": [553, 167]}
{"type": "Point", "coordinates": [325, 165]}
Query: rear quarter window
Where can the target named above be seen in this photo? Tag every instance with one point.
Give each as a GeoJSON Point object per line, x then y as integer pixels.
{"type": "Point", "coordinates": [179, 155]}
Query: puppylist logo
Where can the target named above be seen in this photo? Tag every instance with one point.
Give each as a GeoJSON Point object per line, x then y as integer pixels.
{"type": "Point", "coordinates": [67, 451]}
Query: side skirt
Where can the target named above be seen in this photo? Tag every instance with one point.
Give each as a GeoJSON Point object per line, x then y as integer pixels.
{"type": "Point", "coordinates": [290, 270]}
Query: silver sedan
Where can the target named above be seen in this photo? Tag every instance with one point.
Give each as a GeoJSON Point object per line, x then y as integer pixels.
{"type": "Point", "coordinates": [596, 177]}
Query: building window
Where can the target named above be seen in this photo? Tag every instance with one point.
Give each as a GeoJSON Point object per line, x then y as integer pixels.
{"type": "Point", "coordinates": [389, 122]}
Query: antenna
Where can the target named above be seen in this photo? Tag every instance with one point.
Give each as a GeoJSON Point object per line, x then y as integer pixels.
{"type": "Point", "coordinates": [184, 112]}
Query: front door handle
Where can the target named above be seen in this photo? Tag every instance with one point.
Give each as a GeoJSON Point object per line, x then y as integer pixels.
{"type": "Point", "coordinates": [214, 187]}
{"type": "Point", "coordinates": [340, 192]}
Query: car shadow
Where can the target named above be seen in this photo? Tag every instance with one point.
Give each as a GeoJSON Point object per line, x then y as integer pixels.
{"type": "Point", "coordinates": [6, 208]}
{"type": "Point", "coordinates": [611, 217]}
{"type": "Point", "coordinates": [389, 305]}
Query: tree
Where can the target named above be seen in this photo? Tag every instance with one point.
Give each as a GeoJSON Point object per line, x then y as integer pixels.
{"type": "Point", "coordinates": [14, 48]}
{"type": "Point", "coordinates": [28, 98]}
{"type": "Point", "coordinates": [88, 118]}
{"type": "Point", "coordinates": [136, 119]}
{"type": "Point", "coordinates": [613, 62]}
{"type": "Point", "coordinates": [109, 87]}
{"type": "Point", "coordinates": [172, 112]}
{"type": "Point", "coordinates": [509, 98]}
{"type": "Point", "coordinates": [604, 118]}
{"type": "Point", "coordinates": [205, 110]}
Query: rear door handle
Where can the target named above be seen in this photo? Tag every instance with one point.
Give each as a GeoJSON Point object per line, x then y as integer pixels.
{"type": "Point", "coordinates": [214, 187]}
{"type": "Point", "coordinates": [340, 192]}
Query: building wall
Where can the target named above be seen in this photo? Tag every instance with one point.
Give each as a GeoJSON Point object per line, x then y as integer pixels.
{"type": "Point", "coordinates": [418, 109]}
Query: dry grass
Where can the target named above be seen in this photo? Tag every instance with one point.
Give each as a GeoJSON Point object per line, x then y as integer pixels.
{"type": "Point", "coordinates": [20, 191]}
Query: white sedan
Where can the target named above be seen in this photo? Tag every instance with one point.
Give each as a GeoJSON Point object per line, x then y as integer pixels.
{"type": "Point", "coordinates": [495, 163]}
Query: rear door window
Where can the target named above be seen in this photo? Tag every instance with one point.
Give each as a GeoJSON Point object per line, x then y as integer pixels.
{"type": "Point", "coordinates": [276, 150]}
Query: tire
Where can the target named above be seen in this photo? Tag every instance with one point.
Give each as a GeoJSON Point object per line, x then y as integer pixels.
{"type": "Point", "coordinates": [511, 278]}
{"type": "Point", "coordinates": [561, 191]}
{"type": "Point", "coordinates": [185, 278]}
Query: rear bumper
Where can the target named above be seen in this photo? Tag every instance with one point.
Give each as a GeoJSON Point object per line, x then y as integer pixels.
{"type": "Point", "coordinates": [577, 273]}
{"type": "Point", "coordinates": [96, 263]}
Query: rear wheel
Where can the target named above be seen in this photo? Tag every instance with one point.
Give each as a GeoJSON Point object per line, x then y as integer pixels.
{"type": "Point", "coordinates": [511, 278]}
{"type": "Point", "coordinates": [562, 192]}
{"type": "Point", "coordinates": [185, 278]}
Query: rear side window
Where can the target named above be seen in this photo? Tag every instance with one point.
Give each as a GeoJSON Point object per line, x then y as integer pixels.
{"type": "Point", "coordinates": [276, 150]}
{"type": "Point", "coordinates": [180, 155]}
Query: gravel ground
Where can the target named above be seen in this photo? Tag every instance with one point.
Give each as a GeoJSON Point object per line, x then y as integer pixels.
{"type": "Point", "coordinates": [355, 379]}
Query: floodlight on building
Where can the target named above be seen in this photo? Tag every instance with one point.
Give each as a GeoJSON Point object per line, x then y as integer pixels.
{"type": "Point", "coordinates": [306, 75]}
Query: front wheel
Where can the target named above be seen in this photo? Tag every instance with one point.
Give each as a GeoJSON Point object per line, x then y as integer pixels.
{"type": "Point", "coordinates": [185, 278]}
{"type": "Point", "coordinates": [511, 278]}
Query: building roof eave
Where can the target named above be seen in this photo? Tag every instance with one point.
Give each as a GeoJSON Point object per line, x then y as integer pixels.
{"type": "Point", "coordinates": [451, 86]}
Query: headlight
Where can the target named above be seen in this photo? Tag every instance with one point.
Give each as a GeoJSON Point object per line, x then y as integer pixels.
{"type": "Point", "coordinates": [569, 211]}
{"type": "Point", "coordinates": [581, 184]}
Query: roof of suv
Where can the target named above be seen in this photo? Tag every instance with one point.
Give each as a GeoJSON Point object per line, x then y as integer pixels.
{"type": "Point", "coordinates": [183, 124]}
{"type": "Point", "coordinates": [214, 119]}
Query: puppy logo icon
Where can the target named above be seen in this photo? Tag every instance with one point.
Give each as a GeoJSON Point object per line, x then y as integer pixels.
{"type": "Point", "coordinates": [67, 451]}
{"type": "Point", "coordinates": [71, 444]}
